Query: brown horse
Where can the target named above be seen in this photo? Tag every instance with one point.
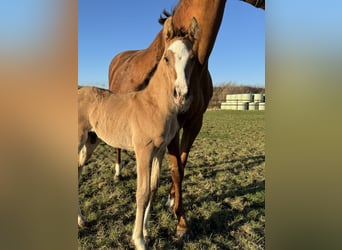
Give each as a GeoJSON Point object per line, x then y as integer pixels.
{"type": "Point", "coordinates": [256, 3]}
{"type": "Point", "coordinates": [144, 121]}
{"type": "Point", "coordinates": [131, 70]}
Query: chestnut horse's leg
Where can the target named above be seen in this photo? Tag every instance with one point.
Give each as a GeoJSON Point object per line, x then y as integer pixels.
{"type": "Point", "coordinates": [118, 166]}
{"type": "Point", "coordinates": [144, 157]}
{"type": "Point", "coordinates": [178, 161]}
{"type": "Point", "coordinates": [190, 132]}
{"type": "Point", "coordinates": [174, 159]}
{"type": "Point", "coordinates": [175, 197]}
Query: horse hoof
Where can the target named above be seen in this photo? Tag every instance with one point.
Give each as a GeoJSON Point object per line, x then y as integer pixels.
{"type": "Point", "coordinates": [82, 224]}
{"type": "Point", "coordinates": [117, 178]}
{"type": "Point", "coordinates": [138, 244]}
{"type": "Point", "coordinates": [148, 240]}
{"type": "Point", "coordinates": [181, 233]}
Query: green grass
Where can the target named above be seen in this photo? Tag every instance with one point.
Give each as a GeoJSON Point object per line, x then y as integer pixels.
{"type": "Point", "coordinates": [224, 191]}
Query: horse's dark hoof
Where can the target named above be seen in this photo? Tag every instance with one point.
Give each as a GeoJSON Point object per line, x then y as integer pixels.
{"type": "Point", "coordinates": [117, 178]}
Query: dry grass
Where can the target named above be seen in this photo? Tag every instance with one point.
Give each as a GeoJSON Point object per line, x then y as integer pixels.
{"type": "Point", "coordinates": [224, 191]}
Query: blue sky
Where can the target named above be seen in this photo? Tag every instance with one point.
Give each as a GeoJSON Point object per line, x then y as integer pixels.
{"type": "Point", "coordinates": [108, 27]}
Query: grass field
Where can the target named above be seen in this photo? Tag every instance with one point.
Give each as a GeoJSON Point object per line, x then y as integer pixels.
{"type": "Point", "coordinates": [224, 191]}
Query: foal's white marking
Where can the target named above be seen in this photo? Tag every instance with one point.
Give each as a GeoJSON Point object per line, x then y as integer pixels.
{"type": "Point", "coordinates": [170, 202]}
{"type": "Point", "coordinates": [117, 170]}
{"type": "Point", "coordinates": [181, 53]}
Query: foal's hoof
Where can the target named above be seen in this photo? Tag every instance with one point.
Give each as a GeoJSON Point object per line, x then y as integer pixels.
{"type": "Point", "coordinates": [181, 232]}
{"type": "Point", "coordinates": [149, 241]}
{"type": "Point", "coordinates": [82, 224]}
{"type": "Point", "coordinates": [117, 178]}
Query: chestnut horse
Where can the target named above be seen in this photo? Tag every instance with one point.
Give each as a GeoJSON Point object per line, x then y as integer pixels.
{"type": "Point", "coordinates": [131, 70]}
{"type": "Point", "coordinates": [256, 3]}
{"type": "Point", "coordinates": [144, 121]}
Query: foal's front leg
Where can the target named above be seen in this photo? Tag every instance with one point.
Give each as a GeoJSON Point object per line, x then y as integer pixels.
{"type": "Point", "coordinates": [155, 173]}
{"type": "Point", "coordinates": [143, 158]}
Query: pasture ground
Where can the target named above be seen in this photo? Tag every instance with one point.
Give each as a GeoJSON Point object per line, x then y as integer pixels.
{"type": "Point", "coordinates": [224, 191]}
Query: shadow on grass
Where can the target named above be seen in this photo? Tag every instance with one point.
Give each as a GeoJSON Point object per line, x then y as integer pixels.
{"type": "Point", "coordinates": [228, 218]}
{"type": "Point", "coordinates": [88, 230]}
{"type": "Point", "coordinates": [230, 165]}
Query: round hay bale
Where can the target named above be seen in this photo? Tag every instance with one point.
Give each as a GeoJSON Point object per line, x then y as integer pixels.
{"type": "Point", "coordinates": [242, 106]}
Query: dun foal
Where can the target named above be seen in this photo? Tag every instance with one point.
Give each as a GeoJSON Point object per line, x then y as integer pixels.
{"type": "Point", "coordinates": [144, 121]}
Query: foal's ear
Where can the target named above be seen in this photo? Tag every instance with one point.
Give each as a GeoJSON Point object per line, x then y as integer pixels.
{"type": "Point", "coordinates": [168, 29]}
{"type": "Point", "coordinates": [194, 30]}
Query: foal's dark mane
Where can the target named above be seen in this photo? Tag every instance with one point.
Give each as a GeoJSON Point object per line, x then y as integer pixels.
{"type": "Point", "coordinates": [165, 14]}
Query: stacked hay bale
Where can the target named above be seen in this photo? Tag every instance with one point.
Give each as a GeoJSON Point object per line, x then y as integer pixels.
{"type": "Point", "coordinates": [259, 102]}
{"type": "Point", "coordinates": [244, 102]}
{"type": "Point", "coordinates": [231, 102]}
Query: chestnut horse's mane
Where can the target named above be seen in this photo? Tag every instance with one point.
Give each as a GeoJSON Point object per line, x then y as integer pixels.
{"type": "Point", "coordinates": [147, 79]}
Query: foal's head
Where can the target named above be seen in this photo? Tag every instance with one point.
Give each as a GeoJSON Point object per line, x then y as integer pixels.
{"type": "Point", "coordinates": [178, 60]}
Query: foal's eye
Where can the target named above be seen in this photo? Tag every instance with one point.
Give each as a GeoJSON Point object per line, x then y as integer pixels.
{"type": "Point", "coordinates": [166, 59]}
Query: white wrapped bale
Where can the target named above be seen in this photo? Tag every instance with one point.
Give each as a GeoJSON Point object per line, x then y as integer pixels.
{"type": "Point", "coordinates": [253, 106]}
{"type": "Point", "coordinates": [242, 106]}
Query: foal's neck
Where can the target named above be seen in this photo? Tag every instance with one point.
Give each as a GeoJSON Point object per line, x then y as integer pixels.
{"type": "Point", "coordinates": [159, 92]}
